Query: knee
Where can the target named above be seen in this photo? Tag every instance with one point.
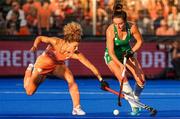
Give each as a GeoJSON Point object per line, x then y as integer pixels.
{"type": "Point", "coordinates": [29, 92]}
{"type": "Point", "coordinates": [140, 78]}
{"type": "Point", "coordinates": [141, 83]}
{"type": "Point", "coordinates": [70, 80]}
{"type": "Point", "coordinates": [123, 80]}
{"type": "Point", "coordinates": [72, 85]}
{"type": "Point", "coordinates": [120, 78]}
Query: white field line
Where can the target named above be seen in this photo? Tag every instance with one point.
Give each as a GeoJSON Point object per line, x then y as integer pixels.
{"type": "Point", "coordinates": [88, 117]}
{"type": "Point", "coordinates": [87, 93]}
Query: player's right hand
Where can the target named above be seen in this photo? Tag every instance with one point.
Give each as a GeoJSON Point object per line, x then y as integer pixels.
{"type": "Point", "coordinates": [104, 84]}
{"type": "Point", "coordinates": [33, 49]}
{"type": "Point", "coordinates": [129, 54]}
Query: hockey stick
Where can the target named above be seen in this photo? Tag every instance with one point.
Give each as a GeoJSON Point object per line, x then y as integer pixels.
{"type": "Point", "coordinates": [121, 86]}
{"type": "Point", "coordinates": [132, 100]}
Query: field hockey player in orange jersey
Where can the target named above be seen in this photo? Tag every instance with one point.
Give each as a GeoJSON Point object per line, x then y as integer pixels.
{"type": "Point", "coordinates": [51, 61]}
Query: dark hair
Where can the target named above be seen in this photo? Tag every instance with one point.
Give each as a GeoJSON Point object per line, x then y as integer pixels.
{"type": "Point", "coordinates": [118, 12]}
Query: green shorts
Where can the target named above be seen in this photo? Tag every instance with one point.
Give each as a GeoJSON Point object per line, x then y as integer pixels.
{"type": "Point", "coordinates": [107, 57]}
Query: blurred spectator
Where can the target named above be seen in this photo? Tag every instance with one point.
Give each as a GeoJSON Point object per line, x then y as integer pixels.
{"type": "Point", "coordinates": [30, 9]}
{"type": "Point", "coordinates": [87, 26]}
{"type": "Point", "coordinates": [54, 5]}
{"type": "Point", "coordinates": [6, 7]}
{"type": "Point", "coordinates": [158, 19]}
{"type": "Point", "coordinates": [132, 12]}
{"type": "Point", "coordinates": [88, 9]}
{"type": "Point", "coordinates": [102, 19]}
{"type": "Point", "coordinates": [2, 25]}
{"type": "Point", "coordinates": [174, 19]}
{"type": "Point", "coordinates": [164, 29]}
{"type": "Point", "coordinates": [176, 3]}
{"type": "Point", "coordinates": [144, 22]}
{"type": "Point", "coordinates": [145, 3]}
{"type": "Point", "coordinates": [44, 16]}
{"type": "Point", "coordinates": [58, 18]}
{"type": "Point", "coordinates": [16, 22]}
{"type": "Point", "coordinates": [50, 19]}
{"type": "Point", "coordinates": [156, 9]}
{"type": "Point", "coordinates": [166, 8]}
{"type": "Point", "coordinates": [111, 4]}
{"type": "Point", "coordinates": [79, 13]}
{"type": "Point", "coordinates": [13, 25]}
{"type": "Point", "coordinates": [69, 11]}
{"type": "Point", "coordinates": [176, 58]}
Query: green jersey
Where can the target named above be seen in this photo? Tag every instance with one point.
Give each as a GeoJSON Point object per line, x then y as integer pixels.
{"type": "Point", "coordinates": [120, 46]}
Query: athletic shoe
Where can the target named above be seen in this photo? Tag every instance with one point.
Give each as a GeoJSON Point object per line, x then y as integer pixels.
{"type": "Point", "coordinates": [78, 111]}
{"type": "Point", "coordinates": [137, 99]}
{"type": "Point", "coordinates": [135, 111]}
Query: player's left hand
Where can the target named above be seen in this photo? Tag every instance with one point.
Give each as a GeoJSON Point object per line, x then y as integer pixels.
{"type": "Point", "coordinates": [104, 84]}
{"type": "Point", "coordinates": [129, 54]}
{"type": "Point", "coordinates": [33, 49]}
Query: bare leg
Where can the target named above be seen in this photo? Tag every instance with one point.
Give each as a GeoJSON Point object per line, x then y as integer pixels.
{"type": "Point", "coordinates": [62, 70]}
{"type": "Point", "coordinates": [136, 70]}
{"type": "Point", "coordinates": [138, 74]}
{"type": "Point", "coordinates": [32, 81]}
{"type": "Point", "coordinates": [73, 88]}
{"type": "Point", "coordinates": [117, 71]}
{"type": "Point", "coordinates": [126, 87]}
{"type": "Point", "coordinates": [28, 73]}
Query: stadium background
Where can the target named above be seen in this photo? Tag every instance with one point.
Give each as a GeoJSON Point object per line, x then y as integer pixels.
{"type": "Point", "coordinates": [17, 33]}
{"type": "Point", "coordinates": [22, 20]}
{"type": "Point", "coordinates": [15, 57]}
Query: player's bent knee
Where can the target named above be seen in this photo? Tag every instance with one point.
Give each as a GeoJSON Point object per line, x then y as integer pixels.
{"type": "Point", "coordinates": [72, 84]}
{"type": "Point", "coordinates": [140, 80]}
{"type": "Point", "coordinates": [29, 92]}
{"type": "Point", "coordinates": [142, 83]}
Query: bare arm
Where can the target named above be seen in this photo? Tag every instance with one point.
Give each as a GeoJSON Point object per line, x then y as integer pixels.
{"type": "Point", "coordinates": [110, 44]}
{"type": "Point", "coordinates": [139, 40]}
{"type": "Point", "coordinates": [43, 39]}
{"type": "Point", "coordinates": [79, 56]}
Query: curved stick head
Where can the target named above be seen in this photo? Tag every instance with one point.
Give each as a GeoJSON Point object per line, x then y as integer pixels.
{"type": "Point", "coordinates": [153, 112]}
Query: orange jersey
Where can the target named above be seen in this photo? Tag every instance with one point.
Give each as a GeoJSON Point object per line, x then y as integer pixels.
{"type": "Point", "coordinates": [49, 59]}
{"type": "Point", "coordinates": [44, 17]}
